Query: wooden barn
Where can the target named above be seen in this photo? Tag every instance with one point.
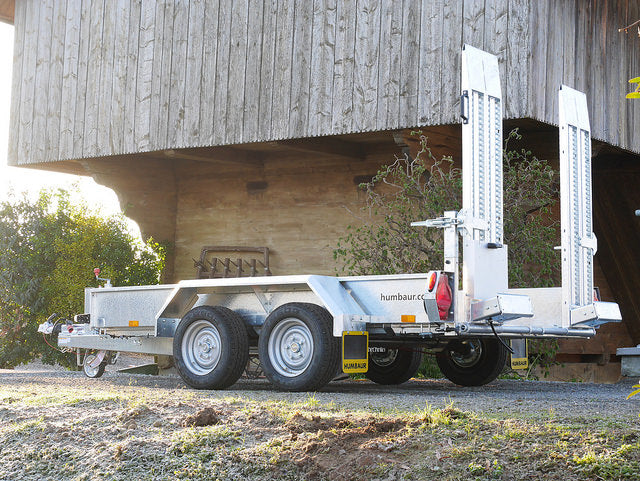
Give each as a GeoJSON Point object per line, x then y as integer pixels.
{"type": "Point", "coordinates": [251, 123]}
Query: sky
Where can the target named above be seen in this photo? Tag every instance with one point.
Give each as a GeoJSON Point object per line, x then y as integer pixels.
{"type": "Point", "coordinates": [30, 181]}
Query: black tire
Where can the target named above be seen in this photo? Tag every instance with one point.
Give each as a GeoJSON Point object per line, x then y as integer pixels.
{"type": "Point", "coordinates": [393, 366]}
{"type": "Point", "coordinates": [472, 362]}
{"type": "Point", "coordinates": [210, 347]}
{"type": "Point", "coordinates": [93, 372]}
{"type": "Point", "coordinates": [304, 333]}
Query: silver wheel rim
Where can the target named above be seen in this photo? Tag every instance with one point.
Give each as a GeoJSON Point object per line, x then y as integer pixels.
{"type": "Point", "coordinates": [290, 347]}
{"type": "Point", "coordinates": [468, 359]}
{"type": "Point", "coordinates": [86, 366]}
{"type": "Point", "coordinates": [384, 359]}
{"type": "Point", "coordinates": [201, 347]}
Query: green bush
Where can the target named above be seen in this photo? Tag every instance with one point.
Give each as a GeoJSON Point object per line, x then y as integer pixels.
{"type": "Point", "coordinates": [423, 188]}
{"type": "Point", "coordinates": [48, 250]}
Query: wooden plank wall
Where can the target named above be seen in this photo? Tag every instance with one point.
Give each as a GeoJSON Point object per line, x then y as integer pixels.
{"type": "Point", "coordinates": [589, 54]}
{"type": "Point", "coordinates": [104, 77]}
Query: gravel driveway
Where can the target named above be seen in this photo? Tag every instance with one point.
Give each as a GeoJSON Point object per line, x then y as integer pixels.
{"type": "Point", "coordinates": [571, 400]}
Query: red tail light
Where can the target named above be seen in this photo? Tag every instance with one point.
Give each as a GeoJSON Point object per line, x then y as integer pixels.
{"type": "Point", "coordinates": [444, 297]}
{"type": "Point", "coordinates": [432, 281]}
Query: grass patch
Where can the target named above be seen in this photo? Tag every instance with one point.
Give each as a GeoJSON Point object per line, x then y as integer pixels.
{"type": "Point", "coordinates": [205, 439]}
{"type": "Point", "coordinates": [26, 427]}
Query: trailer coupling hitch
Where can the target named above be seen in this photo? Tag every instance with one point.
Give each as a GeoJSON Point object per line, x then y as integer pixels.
{"type": "Point", "coordinates": [50, 327]}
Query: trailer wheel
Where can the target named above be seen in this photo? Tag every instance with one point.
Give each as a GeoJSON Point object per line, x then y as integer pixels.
{"type": "Point", "coordinates": [393, 366]}
{"type": "Point", "coordinates": [472, 362]}
{"type": "Point", "coordinates": [93, 371]}
{"type": "Point", "coordinates": [297, 349]}
{"type": "Point", "coordinates": [210, 347]}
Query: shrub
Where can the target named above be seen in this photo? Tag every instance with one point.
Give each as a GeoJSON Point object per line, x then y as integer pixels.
{"type": "Point", "coordinates": [48, 249]}
{"type": "Point", "coordinates": [423, 187]}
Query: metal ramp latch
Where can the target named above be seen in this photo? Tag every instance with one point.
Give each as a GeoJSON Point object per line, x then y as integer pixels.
{"type": "Point", "coordinates": [442, 222]}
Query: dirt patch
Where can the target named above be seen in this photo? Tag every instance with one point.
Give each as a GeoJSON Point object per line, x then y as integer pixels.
{"type": "Point", "coordinates": [299, 423]}
{"type": "Point", "coordinates": [340, 448]}
{"type": "Point", "coordinates": [204, 417]}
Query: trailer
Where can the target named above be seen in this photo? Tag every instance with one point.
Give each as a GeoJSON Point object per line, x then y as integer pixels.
{"type": "Point", "coordinates": [305, 329]}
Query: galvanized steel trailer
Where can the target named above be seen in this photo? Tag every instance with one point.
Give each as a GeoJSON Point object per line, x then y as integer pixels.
{"type": "Point", "coordinates": [306, 329]}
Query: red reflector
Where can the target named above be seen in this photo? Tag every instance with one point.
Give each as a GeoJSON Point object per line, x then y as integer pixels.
{"type": "Point", "coordinates": [443, 297]}
{"type": "Point", "coordinates": [432, 281]}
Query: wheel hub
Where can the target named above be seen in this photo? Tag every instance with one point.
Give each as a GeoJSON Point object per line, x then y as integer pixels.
{"type": "Point", "coordinates": [294, 347]}
{"type": "Point", "coordinates": [468, 354]}
{"type": "Point", "coordinates": [383, 358]}
{"type": "Point", "coordinates": [201, 347]}
{"type": "Point", "coordinates": [205, 346]}
{"type": "Point", "coordinates": [290, 347]}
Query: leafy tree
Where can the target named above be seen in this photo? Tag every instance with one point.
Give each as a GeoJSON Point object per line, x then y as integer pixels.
{"type": "Point", "coordinates": [48, 249]}
{"type": "Point", "coordinates": [423, 188]}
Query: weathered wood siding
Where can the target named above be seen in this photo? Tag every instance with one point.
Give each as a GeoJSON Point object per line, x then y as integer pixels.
{"type": "Point", "coordinates": [577, 43]}
{"type": "Point", "coordinates": [104, 77]}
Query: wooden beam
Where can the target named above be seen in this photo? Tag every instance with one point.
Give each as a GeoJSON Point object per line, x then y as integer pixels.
{"type": "Point", "coordinates": [442, 140]}
{"type": "Point", "coordinates": [217, 154]}
{"type": "Point", "coordinates": [7, 11]}
{"type": "Point", "coordinates": [325, 145]}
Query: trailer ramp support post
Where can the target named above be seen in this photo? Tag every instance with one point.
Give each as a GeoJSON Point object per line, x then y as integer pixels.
{"type": "Point", "coordinates": [481, 221]}
{"type": "Point", "coordinates": [579, 243]}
